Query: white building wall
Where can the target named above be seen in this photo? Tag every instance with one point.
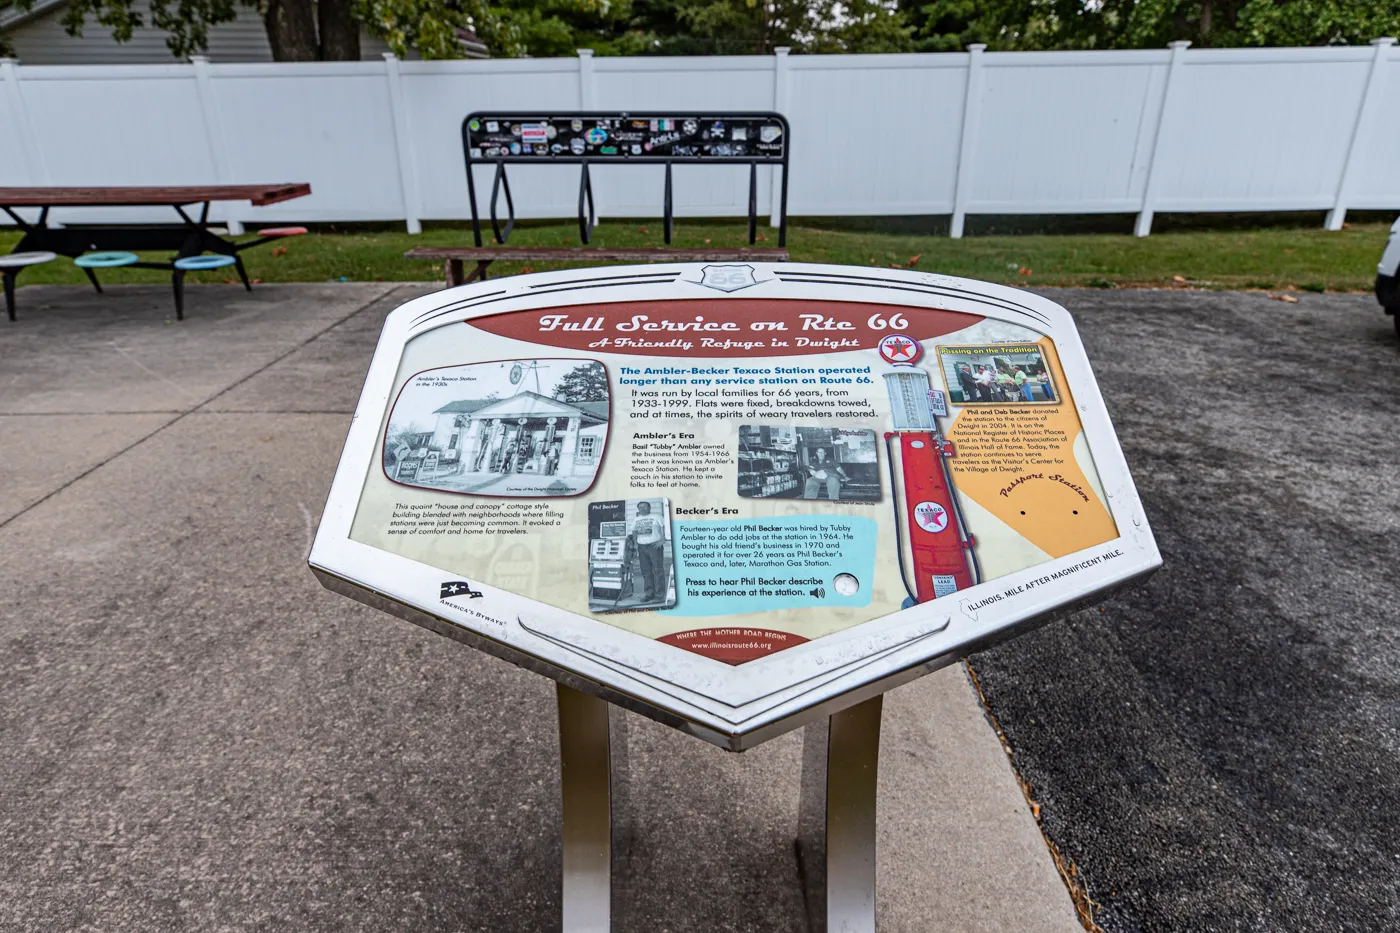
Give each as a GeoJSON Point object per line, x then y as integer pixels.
{"type": "Point", "coordinates": [43, 41]}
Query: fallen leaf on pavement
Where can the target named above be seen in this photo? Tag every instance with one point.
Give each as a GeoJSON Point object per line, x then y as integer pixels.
{"type": "Point", "coordinates": [1179, 279]}
{"type": "Point", "coordinates": [1288, 298]}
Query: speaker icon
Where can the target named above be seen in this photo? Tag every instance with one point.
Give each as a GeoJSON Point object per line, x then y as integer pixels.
{"type": "Point", "coordinates": [818, 592]}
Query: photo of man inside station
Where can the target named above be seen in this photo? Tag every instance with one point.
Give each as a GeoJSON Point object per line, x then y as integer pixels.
{"type": "Point", "coordinates": [505, 428]}
{"type": "Point", "coordinates": [1011, 374]}
{"type": "Point", "coordinates": [630, 563]}
{"type": "Point", "coordinates": [835, 464]}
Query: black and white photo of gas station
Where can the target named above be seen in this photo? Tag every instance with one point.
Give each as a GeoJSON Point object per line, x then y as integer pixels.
{"type": "Point", "coordinates": [515, 428]}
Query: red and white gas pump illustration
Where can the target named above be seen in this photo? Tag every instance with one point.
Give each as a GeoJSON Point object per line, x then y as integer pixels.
{"type": "Point", "coordinates": [941, 547]}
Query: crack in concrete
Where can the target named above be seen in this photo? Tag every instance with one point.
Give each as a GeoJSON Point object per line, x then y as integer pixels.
{"type": "Point", "coordinates": [146, 369]}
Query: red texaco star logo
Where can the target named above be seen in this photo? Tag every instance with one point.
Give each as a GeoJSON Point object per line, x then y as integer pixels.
{"type": "Point", "coordinates": [899, 348]}
{"type": "Point", "coordinates": [931, 517]}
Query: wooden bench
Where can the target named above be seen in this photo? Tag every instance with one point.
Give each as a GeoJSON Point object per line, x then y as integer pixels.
{"type": "Point", "coordinates": [454, 256]}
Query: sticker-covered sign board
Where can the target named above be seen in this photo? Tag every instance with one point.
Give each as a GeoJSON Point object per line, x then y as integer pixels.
{"type": "Point", "coordinates": [731, 497]}
{"type": "Point", "coordinates": [613, 137]}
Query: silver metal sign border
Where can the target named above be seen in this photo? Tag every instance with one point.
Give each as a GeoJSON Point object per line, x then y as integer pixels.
{"type": "Point", "coordinates": [734, 707]}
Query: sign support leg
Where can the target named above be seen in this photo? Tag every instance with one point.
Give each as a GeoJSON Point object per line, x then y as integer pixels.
{"type": "Point", "coordinates": [836, 819]}
{"type": "Point", "coordinates": [586, 766]}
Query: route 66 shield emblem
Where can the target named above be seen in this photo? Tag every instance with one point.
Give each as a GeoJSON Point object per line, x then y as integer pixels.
{"type": "Point", "coordinates": [727, 278]}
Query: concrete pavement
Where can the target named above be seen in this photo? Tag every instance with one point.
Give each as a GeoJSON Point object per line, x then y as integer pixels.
{"type": "Point", "coordinates": [195, 736]}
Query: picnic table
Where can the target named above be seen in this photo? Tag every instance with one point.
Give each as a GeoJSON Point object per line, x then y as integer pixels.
{"type": "Point", "coordinates": [191, 236]}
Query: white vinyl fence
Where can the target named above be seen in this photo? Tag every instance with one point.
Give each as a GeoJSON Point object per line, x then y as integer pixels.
{"type": "Point", "coordinates": [958, 133]}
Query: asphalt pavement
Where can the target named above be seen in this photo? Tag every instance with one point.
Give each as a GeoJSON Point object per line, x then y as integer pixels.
{"type": "Point", "coordinates": [1219, 750]}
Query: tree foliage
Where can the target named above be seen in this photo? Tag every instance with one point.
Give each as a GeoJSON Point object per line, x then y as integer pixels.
{"type": "Point", "coordinates": [544, 28]}
{"type": "Point", "coordinates": [754, 27]}
{"type": "Point", "coordinates": [306, 30]}
{"type": "Point", "coordinates": [297, 30]}
{"type": "Point", "coordinates": [586, 383]}
{"type": "Point", "coordinates": [1127, 24]}
{"type": "Point", "coordinates": [510, 29]}
{"type": "Point", "coordinates": [185, 22]}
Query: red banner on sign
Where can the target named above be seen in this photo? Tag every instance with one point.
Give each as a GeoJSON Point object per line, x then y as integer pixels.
{"type": "Point", "coordinates": [723, 327]}
{"type": "Point", "coordinates": [733, 645]}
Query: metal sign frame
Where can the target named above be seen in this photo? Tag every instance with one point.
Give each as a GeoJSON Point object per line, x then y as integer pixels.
{"type": "Point", "coordinates": [587, 216]}
{"type": "Point", "coordinates": [735, 707]}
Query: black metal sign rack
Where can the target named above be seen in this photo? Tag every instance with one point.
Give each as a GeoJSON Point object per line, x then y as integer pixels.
{"type": "Point", "coordinates": [597, 137]}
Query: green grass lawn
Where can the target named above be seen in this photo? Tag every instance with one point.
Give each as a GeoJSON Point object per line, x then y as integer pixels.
{"type": "Point", "coordinates": [1271, 257]}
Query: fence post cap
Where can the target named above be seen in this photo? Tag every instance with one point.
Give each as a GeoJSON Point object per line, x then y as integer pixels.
{"type": "Point", "coordinates": [584, 53]}
{"type": "Point", "coordinates": [782, 50]}
{"type": "Point", "coordinates": [199, 59]}
{"type": "Point", "coordinates": [1179, 44]}
{"type": "Point", "coordinates": [977, 47]}
{"type": "Point", "coordinates": [1384, 40]}
{"type": "Point", "coordinates": [389, 56]}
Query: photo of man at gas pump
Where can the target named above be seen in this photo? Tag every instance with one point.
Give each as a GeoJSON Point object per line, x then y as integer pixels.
{"type": "Point", "coordinates": [629, 555]}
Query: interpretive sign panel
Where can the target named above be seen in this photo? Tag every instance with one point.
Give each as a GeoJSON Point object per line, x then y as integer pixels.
{"type": "Point", "coordinates": [731, 497]}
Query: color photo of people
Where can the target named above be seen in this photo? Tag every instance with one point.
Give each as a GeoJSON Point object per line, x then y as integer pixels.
{"type": "Point", "coordinates": [629, 555]}
{"type": "Point", "coordinates": [1008, 374]}
{"type": "Point", "coordinates": [835, 464]}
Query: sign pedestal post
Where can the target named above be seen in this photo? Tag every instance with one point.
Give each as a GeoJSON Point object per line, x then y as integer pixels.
{"type": "Point", "coordinates": [836, 814]}
{"type": "Point", "coordinates": [585, 763]}
{"type": "Point", "coordinates": [836, 819]}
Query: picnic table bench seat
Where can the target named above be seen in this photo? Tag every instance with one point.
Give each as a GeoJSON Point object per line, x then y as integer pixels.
{"type": "Point", "coordinates": [454, 256]}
